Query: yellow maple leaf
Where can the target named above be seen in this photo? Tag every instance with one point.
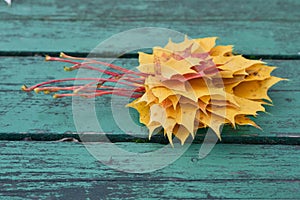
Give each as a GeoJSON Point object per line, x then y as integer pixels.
{"type": "Point", "coordinates": [180, 87]}
{"type": "Point", "coordinates": [185, 97]}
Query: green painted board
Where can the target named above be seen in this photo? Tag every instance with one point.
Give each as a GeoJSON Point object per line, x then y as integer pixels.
{"type": "Point", "coordinates": [49, 170]}
{"type": "Point", "coordinates": [267, 38]}
{"type": "Point", "coordinates": [40, 117]}
{"type": "Point", "coordinates": [16, 71]}
{"type": "Point", "coordinates": [143, 10]}
{"type": "Point", "coordinates": [66, 170]}
{"type": "Point", "coordinates": [256, 27]}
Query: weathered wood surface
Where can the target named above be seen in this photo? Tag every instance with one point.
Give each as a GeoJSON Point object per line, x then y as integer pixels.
{"type": "Point", "coordinates": [256, 10]}
{"type": "Point", "coordinates": [50, 170]}
{"type": "Point", "coordinates": [256, 27]}
{"type": "Point", "coordinates": [43, 118]}
{"type": "Point", "coordinates": [59, 170]}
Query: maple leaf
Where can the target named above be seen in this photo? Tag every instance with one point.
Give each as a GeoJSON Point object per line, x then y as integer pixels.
{"type": "Point", "coordinates": [196, 84]}
{"type": "Point", "coordinates": [180, 87]}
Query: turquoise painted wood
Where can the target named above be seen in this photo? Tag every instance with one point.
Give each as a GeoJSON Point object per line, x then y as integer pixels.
{"type": "Point", "coordinates": [55, 36]}
{"type": "Point", "coordinates": [66, 170]}
{"type": "Point", "coordinates": [44, 118]}
{"type": "Point", "coordinates": [217, 10]}
{"type": "Point", "coordinates": [259, 27]}
{"type": "Point", "coordinates": [48, 169]}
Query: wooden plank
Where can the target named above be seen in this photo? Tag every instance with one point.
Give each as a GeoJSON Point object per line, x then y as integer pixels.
{"type": "Point", "coordinates": [44, 118]}
{"type": "Point", "coordinates": [143, 10]}
{"type": "Point", "coordinates": [16, 71]}
{"type": "Point", "coordinates": [34, 26]}
{"type": "Point", "coordinates": [65, 170]}
{"type": "Point", "coordinates": [47, 119]}
{"type": "Point", "coordinates": [255, 37]}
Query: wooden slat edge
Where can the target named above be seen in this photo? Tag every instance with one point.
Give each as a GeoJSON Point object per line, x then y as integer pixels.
{"type": "Point", "coordinates": [104, 137]}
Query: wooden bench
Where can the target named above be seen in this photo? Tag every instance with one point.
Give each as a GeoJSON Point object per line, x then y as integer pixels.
{"type": "Point", "coordinates": [247, 164]}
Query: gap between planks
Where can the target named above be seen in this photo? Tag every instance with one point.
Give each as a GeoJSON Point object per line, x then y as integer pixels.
{"type": "Point", "coordinates": [130, 55]}
{"type": "Point", "coordinates": [159, 138]}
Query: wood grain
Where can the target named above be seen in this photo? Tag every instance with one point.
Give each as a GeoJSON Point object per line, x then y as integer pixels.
{"type": "Point", "coordinates": [257, 27]}
{"type": "Point", "coordinates": [49, 170]}
{"type": "Point", "coordinates": [143, 10]}
{"type": "Point", "coordinates": [66, 170]}
{"type": "Point", "coordinates": [42, 118]}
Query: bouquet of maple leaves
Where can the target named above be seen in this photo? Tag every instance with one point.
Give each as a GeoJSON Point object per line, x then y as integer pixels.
{"type": "Point", "coordinates": [180, 87]}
